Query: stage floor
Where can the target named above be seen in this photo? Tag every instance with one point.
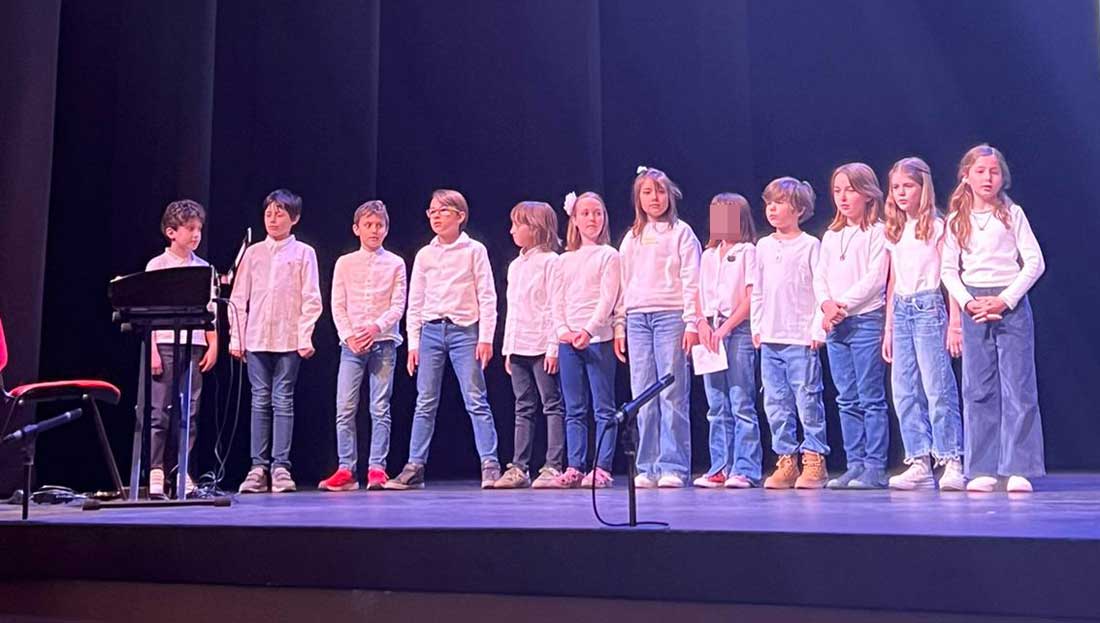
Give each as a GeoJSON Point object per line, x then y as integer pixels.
{"type": "Point", "coordinates": [997, 553]}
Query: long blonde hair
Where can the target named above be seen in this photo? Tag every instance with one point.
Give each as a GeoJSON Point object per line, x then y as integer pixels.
{"type": "Point", "coordinates": [744, 215]}
{"type": "Point", "coordinates": [800, 195]}
{"type": "Point", "coordinates": [540, 217]}
{"type": "Point", "coordinates": [863, 180]}
{"type": "Point", "coordinates": [573, 239]}
{"type": "Point", "coordinates": [659, 177]}
{"type": "Point", "coordinates": [917, 170]}
{"type": "Point", "coordinates": [962, 199]}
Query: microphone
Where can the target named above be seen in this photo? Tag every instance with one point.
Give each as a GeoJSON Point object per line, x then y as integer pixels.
{"type": "Point", "coordinates": [31, 430]}
{"type": "Point", "coordinates": [228, 278]}
{"type": "Point", "coordinates": [631, 408]}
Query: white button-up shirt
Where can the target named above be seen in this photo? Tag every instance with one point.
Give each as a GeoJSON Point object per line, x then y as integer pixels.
{"type": "Point", "coordinates": [171, 260]}
{"type": "Point", "coordinates": [452, 281]}
{"type": "Point", "coordinates": [277, 297]}
{"type": "Point", "coordinates": [784, 308]}
{"type": "Point", "coordinates": [368, 287]}
{"type": "Point", "coordinates": [724, 277]}
{"type": "Point", "coordinates": [528, 327]}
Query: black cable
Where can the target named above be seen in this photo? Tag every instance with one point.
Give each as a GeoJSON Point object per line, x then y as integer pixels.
{"type": "Point", "coordinates": [595, 507]}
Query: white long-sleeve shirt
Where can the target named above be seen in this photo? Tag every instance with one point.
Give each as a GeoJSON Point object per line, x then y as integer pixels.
{"type": "Point", "coordinates": [528, 326]}
{"type": "Point", "coordinates": [368, 287]}
{"type": "Point", "coordinates": [723, 278]}
{"type": "Point", "coordinates": [276, 298]}
{"type": "Point", "coordinates": [171, 260]}
{"type": "Point", "coordinates": [916, 263]}
{"type": "Point", "coordinates": [452, 281]}
{"type": "Point", "coordinates": [996, 257]}
{"type": "Point", "coordinates": [661, 271]}
{"type": "Point", "coordinates": [851, 268]}
{"type": "Point", "coordinates": [587, 288]}
{"type": "Point", "coordinates": [784, 307]}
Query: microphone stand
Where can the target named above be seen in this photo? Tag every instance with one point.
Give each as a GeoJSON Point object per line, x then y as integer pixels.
{"type": "Point", "coordinates": [628, 417]}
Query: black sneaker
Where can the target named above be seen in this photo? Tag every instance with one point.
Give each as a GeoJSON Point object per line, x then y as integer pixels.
{"type": "Point", "coordinates": [411, 477]}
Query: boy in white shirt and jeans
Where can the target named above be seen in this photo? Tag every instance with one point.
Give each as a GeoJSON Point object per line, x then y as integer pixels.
{"type": "Point", "coordinates": [452, 314]}
{"type": "Point", "coordinates": [182, 226]}
{"type": "Point", "coordinates": [368, 299]}
{"type": "Point", "coordinates": [274, 307]}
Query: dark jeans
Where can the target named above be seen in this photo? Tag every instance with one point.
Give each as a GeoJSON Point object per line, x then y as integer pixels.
{"type": "Point", "coordinates": [588, 382]}
{"type": "Point", "coordinates": [530, 383]}
{"type": "Point", "coordinates": [163, 405]}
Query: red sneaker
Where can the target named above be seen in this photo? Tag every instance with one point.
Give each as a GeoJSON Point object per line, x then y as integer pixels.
{"type": "Point", "coordinates": [341, 480]}
{"type": "Point", "coordinates": [376, 478]}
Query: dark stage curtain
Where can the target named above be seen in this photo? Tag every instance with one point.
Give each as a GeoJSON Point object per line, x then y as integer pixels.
{"type": "Point", "coordinates": [115, 109]}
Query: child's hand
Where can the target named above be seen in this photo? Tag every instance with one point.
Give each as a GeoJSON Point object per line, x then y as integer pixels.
{"type": "Point", "coordinates": [414, 360]}
{"type": "Point", "coordinates": [550, 365]}
{"type": "Point", "coordinates": [888, 345]}
{"type": "Point", "coordinates": [581, 340]}
{"type": "Point", "coordinates": [706, 335]}
{"type": "Point", "coordinates": [690, 339]}
{"type": "Point", "coordinates": [619, 346]}
{"type": "Point", "coordinates": [719, 334]}
{"type": "Point", "coordinates": [157, 367]}
{"type": "Point", "coordinates": [366, 337]}
{"type": "Point", "coordinates": [756, 341]}
{"type": "Point", "coordinates": [815, 345]}
{"type": "Point", "coordinates": [568, 337]}
{"type": "Point", "coordinates": [209, 358]}
{"type": "Point", "coordinates": [834, 313]}
{"type": "Point", "coordinates": [306, 353]}
{"type": "Point", "coordinates": [237, 353]}
{"type": "Point", "coordinates": [954, 341]}
{"type": "Point", "coordinates": [483, 353]}
{"type": "Point", "coordinates": [507, 364]}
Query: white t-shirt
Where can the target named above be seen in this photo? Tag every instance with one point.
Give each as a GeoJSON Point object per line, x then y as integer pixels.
{"type": "Point", "coordinates": [916, 263]}
{"type": "Point", "coordinates": [852, 268]}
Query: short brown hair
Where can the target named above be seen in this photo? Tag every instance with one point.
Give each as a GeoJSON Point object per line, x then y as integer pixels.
{"type": "Point", "coordinates": [542, 220]}
{"type": "Point", "coordinates": [453, 199]}
{"type": "Point", "coordinates": [799, 194]}
{"type": "Point", "coordinates": [373, 207]}
{"type": "Point", "coordinates": [179, 213]}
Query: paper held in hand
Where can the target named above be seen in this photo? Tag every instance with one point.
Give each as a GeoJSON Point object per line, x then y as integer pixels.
{"type": "Point", "coordinates": [704, 361]}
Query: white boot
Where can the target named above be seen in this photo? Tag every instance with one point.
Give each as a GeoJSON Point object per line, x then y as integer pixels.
{"type": "Point", "coordinates": [918, 476]}
{"type": "Point", "coordinates": [953, 479]}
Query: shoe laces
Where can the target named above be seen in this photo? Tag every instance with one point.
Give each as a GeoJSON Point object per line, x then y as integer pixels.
{"type": "Point", "coordinates": [785, 461]}
{"type": "Point", "coordinates": [812, 459]}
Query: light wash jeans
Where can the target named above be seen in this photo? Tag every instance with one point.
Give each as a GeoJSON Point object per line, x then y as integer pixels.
{"type": "Point", "coordinates": [731, 395]}
{"type": "Point", "coordinates": [791, 374]}
{"type": "Point", "coordinates": [272, 376]}
{"type": "Point", "coordinates": [378, 362]}
{"type": "Point", "coordinates": [926, 396]}
{"type": "Point", "coordinates": [859, 374]}
{"type": "Point", "coordinates": [438, 342]}
{"type": "Point", "coordinates": [654, 345]}
{"type": "Point", "coordinates": [588, 378]}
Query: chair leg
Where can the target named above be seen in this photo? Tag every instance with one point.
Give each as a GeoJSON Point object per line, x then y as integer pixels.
{"type": "Point", "coordinates": [107, 454]}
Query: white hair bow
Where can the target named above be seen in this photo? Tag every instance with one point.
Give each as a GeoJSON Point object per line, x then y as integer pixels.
{"type": "Point", "coordinates": [570, 201]}
{"type": "Point", "coordinates": [641, 169]}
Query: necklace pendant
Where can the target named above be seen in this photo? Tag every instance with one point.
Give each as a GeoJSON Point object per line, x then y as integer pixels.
{"type": "Point", "coordinates": [842, 256]}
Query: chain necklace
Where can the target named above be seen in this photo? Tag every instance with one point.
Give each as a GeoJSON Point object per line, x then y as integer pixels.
{"type": "Point", "coordinates": [982, 226]}
{"type": "Point", "coordinates": [843, 246]}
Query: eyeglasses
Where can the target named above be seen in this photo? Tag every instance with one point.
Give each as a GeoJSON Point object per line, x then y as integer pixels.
{"type": "Point", "coordinates": [433, 212]}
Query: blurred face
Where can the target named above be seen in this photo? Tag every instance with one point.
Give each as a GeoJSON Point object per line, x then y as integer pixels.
{"type": "Point", "coordinates": [522, 235]}
{"type": "Point", "coordinates": [782, 215]}
{"type": "Point", "coordinates": [446, 221]}
{"type": "Point", "coordinates": [848, 202]}
{"type": "Point", "coordinates": [277, 221]}
{"type": "Point", "coordinates": [986, 178]}
{"type": "Point", "coordinates": [589, 218]}
{"type": "Point", "coordinates": [905, 192]}
{"type": "Point", "coordinates": [654, 198]}
{"type": "Point", "coordinates": [725, 222]}
{"type": "Point", "coordinates": [186, 237]}
{"type": "Point", "coordinates": [371, 230]}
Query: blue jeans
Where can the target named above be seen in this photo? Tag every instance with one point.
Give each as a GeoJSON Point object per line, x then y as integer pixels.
{"type": "Point", "coordinates": [589, 373]}
{"type": "Point", "coordinates": [438, 342]}
{"type": "Point", "coordinates": [654, 345]}
{"type": "Point", "coordinates": [1004, 431]}
{"type": "Point", "coordinates": [731, 395]}
{"type": "Point", "coordinates": [926, 396]}
{"type": "Point", "coordinates": [791, 374]}
{"type": "Point", "coordinates": [859, 374]}
{"type": "Point", "coordinates": [272, 376]}
{"type": "Point", "coordinates": [379, 361]}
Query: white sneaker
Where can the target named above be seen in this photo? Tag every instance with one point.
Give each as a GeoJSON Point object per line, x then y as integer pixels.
{"type": "Point", "coordinates": [670, 481]}
{"type": "Point", "coordinates": [982, 484]}
{"type": "Point", "coordinates": [737, 481]}
{"type": "Point", "coordinates": [189, 487]}
{"type": "Point", "coordinates": [1018, 484]}
{"type": "Point", "coordinates": [952, 478]}
{"type": "Point", "coordinates": [714, 481]}
{"type": "Point", "coordinates": [156, 483]}
{"type": "Point", "coordinates": [918, 476]}
{"type": "Point", "coordinates": [641, 481]}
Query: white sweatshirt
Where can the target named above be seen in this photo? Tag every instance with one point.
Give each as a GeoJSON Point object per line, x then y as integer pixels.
{"type": "Point", "coordinates": [587, 291]}
{"type": "Point", "coordinates": [661, 271]}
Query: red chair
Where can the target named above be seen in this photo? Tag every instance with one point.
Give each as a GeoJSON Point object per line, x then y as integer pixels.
{"type": "Point", "coordinates": [88, 392]}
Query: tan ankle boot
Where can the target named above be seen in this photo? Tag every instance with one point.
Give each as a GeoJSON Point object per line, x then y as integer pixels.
{"type": "Point", "coordinates": [814, 474]}
{"type": "Point", "coordinates": [785, 475]}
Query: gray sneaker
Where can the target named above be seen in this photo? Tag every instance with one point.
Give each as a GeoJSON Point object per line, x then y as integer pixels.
{"type": "Point", "coordinates": [842, 481]}
{"type": "Point", "coordinates": [515, 478]}
{"type": "Point", "coordinates": [281, 482]}
{"type": "Point", "coordinates": [255, 481]}
{"type": "Point", "coordinates": [411, 477]}
{"type": "Point", "coordinates": [490, 473]}
{"type": "Point", "coordinates": [871, 478]}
